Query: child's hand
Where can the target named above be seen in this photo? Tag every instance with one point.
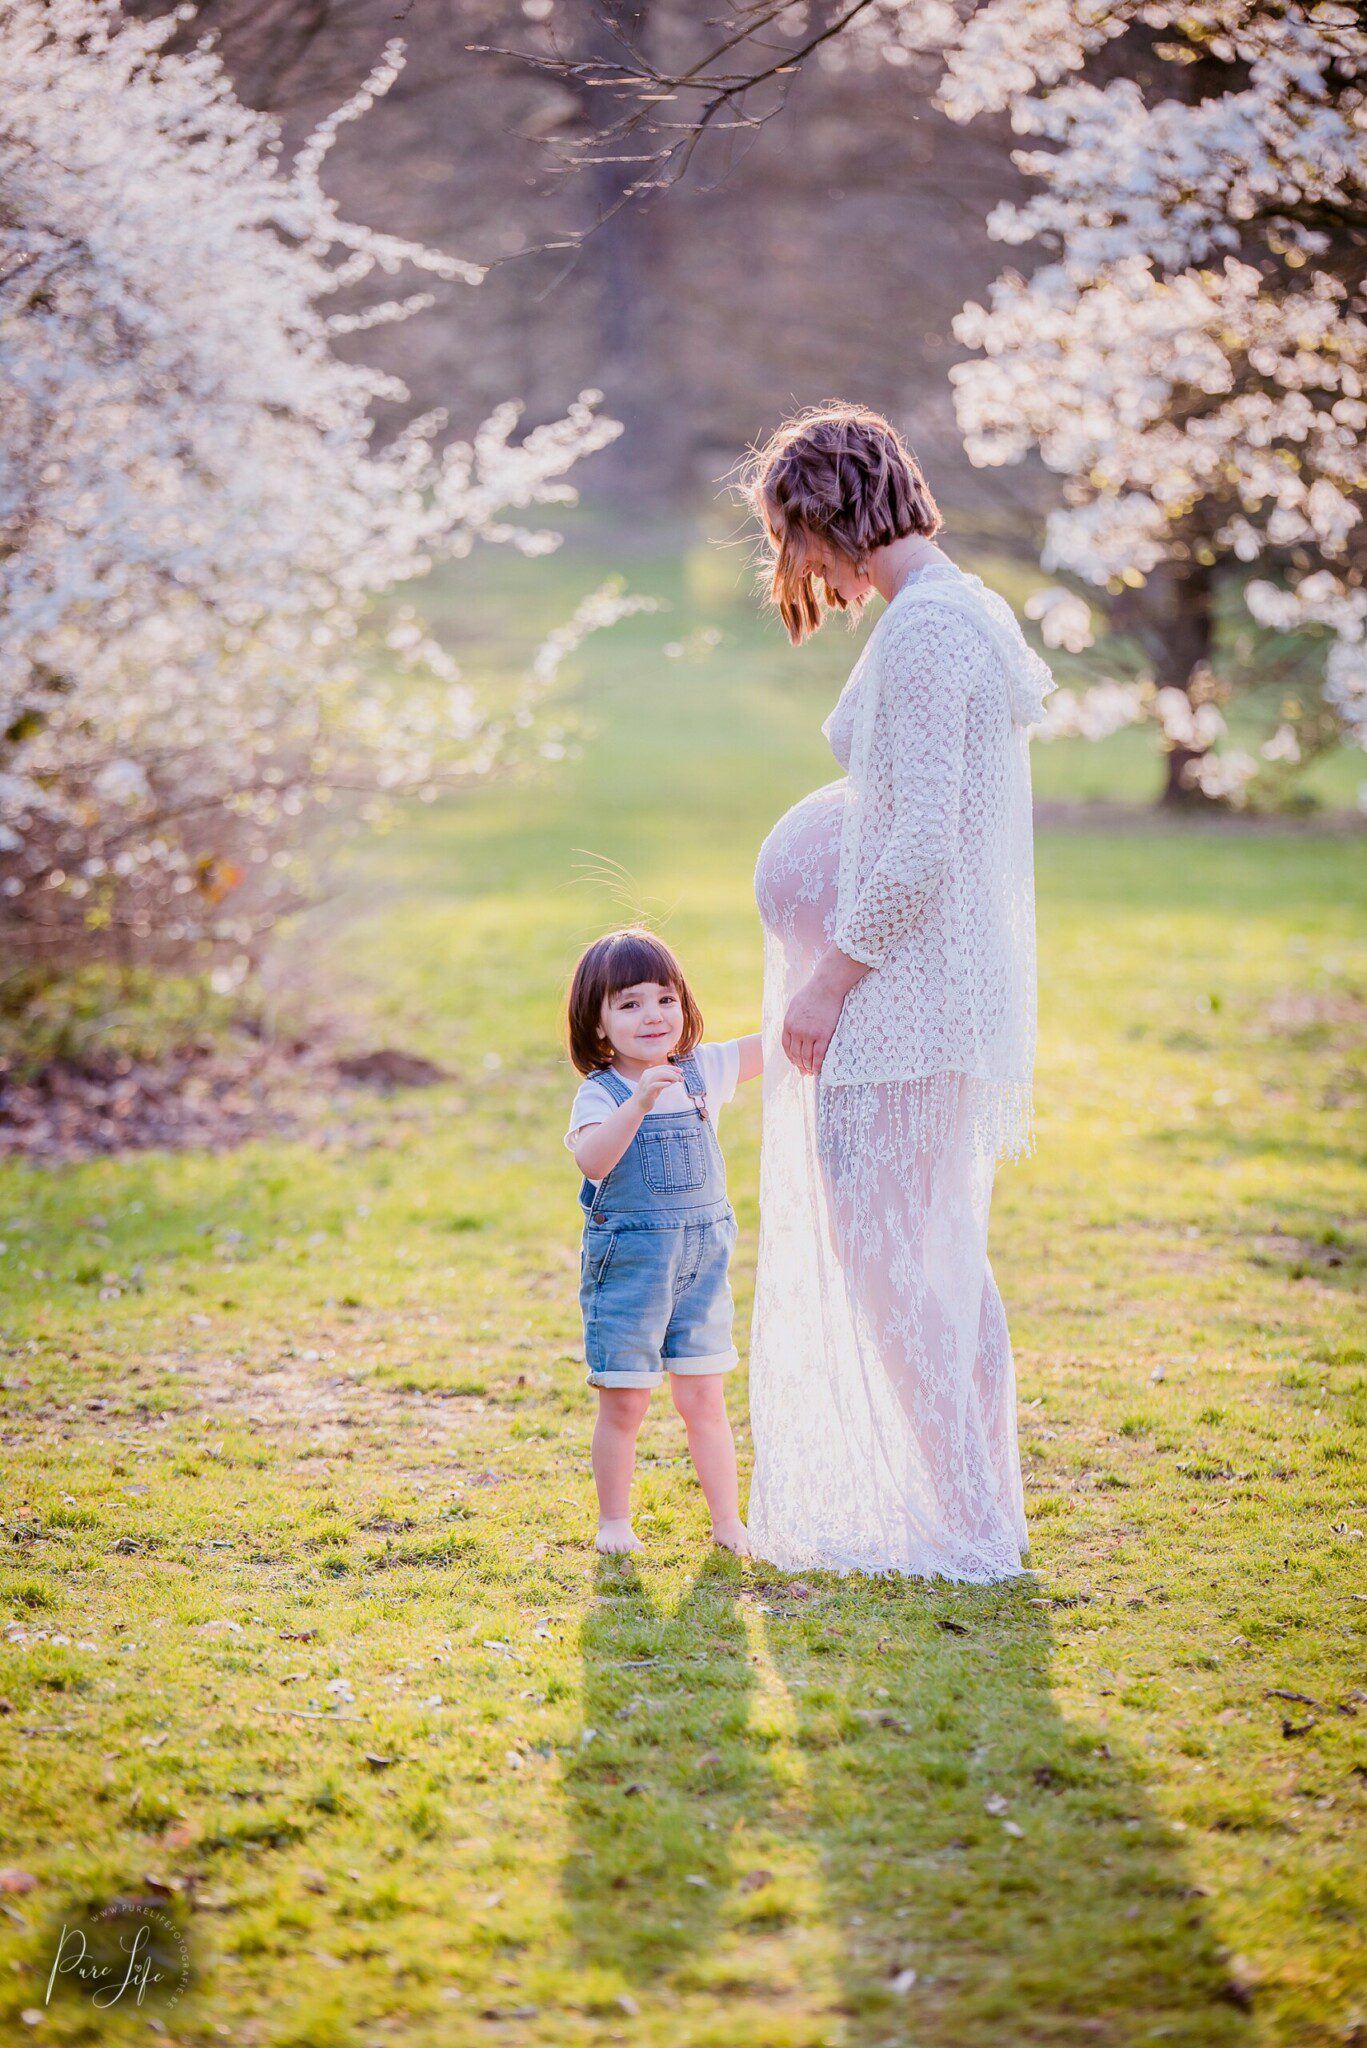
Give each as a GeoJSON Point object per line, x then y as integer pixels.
{"type": "Point", "coordinates": [652, 1084]}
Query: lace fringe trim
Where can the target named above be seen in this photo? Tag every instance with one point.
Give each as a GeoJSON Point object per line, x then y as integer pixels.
{"type": "Point", "coordinates": [930, 1112]}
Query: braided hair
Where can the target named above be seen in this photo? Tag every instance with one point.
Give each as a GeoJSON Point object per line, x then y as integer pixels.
{"type": "Point", "coordinates": [841, 474]}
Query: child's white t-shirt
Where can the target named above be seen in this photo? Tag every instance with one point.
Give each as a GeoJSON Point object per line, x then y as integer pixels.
{"type": "Point", "coordinates": [720, 1066]}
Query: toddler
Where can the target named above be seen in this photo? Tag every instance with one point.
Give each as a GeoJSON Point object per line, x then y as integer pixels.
{"type": "Point", "coordinates": [658, 1228]}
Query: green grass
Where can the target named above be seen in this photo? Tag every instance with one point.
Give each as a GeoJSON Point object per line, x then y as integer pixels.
{"type": "Point", "coordinates": [312, 1415]}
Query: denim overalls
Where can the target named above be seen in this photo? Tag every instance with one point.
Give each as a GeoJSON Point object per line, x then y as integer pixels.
{"type": "Point", "coordinates": [658, 1237]}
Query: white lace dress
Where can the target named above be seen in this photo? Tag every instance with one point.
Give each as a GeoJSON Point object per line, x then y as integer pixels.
{"type": "Point", "coordinates": [882, 1390]}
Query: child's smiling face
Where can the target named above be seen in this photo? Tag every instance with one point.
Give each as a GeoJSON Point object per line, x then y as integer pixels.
{"type": "Point", "coordinates": [643, 1023]}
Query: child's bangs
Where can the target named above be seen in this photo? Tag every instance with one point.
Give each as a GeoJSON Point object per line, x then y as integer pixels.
{"type": "Point", "coordinates": [636, 957]}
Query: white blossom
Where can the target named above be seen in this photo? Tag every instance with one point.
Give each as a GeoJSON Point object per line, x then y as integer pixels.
{"type": "Point", "coordinates": [123, 782]}
{"type": "Point", "coordinates": [1193, 359]}
{"type": "Point", "coordinates": [602, 607]}
{"type": "Point", "coordinates": [1095, 713]}
{"type": "Point", "coordinates": [1065, 620]}
{"type": "Point", "coordinates": [1224, 777]}
{"type": "Point", "coordinates": [1345, 685]}
{"type": "Point", "coordinates": [1185, 724]}
{"type": "Point", "coordinates": [1283, 745]}
{"type": "Point", "coordinates": [197, 505]}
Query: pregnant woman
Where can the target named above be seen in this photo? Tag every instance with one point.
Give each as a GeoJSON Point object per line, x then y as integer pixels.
{"type": "Point", "coordinates": [898, 912]}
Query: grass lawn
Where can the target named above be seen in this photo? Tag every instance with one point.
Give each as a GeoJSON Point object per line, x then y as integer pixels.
{"type": "Point", "coordinates": [308, 1640]}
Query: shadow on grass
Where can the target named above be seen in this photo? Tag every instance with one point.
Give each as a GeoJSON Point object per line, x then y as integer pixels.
{"type": "Point", "coordinates": [985, 1870]}
{"type": "Point", "coordinates": [666, 1773]}
{"type": "Point", "coordinates": [1005, 1855]}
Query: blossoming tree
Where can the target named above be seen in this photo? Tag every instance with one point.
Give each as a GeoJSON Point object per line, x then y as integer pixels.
{"type": "Point", "coordinates": [1193, 362]}
{"type": "Point", "coordinates": [196, 507]}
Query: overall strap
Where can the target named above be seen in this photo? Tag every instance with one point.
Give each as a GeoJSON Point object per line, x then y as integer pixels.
{"type": "Point", "coordinates": [693, 1081]}
{"type": "Point", "coordinates": [690, 1072]}
{"type": "Point", "coordinates": [609, 1078]}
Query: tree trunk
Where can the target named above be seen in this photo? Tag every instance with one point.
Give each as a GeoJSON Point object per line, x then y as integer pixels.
{"type": "Point", "coordinates": [1172, 617]}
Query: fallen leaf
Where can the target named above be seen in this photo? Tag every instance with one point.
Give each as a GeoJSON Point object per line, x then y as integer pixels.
{"type": "Point", "coordinates": [379, 1763]}
{"type": "Point", "coordinates": [755, 1880]}
{"type": "Point", "coordinates": [14, 1881]}
{"type": "Point", "coordinates": [878, 1717]}
{"type": "Point", "coordinates": [1241, 1983]}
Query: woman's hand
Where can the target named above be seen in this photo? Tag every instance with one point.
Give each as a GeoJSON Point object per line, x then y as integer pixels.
{"type": "Point", "coordinates": [814, 1012]}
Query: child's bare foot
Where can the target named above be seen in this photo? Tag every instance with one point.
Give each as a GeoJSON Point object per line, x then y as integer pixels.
{"type": "Point", "coordinates": [614, 1537]}
{"type": "Point", "coordinates": [732, 1536]}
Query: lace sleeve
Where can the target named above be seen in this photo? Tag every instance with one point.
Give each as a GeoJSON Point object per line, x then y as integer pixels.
{"type": "Point", "coordinates": [931, 660]}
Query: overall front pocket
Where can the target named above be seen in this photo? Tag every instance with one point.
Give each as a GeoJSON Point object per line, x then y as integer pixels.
{"type": "Point", "coordinates": [673, 1162]}
{"type": "Point", "coordinates": [599, 1245]}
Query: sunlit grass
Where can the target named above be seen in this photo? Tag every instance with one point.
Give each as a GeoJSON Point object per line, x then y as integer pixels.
{"type": "Point", "coordinates": [312, 1415]}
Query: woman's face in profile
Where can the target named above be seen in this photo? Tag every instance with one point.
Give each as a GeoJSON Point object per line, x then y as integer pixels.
{"type": "Point", "coordinates": [839, 574]}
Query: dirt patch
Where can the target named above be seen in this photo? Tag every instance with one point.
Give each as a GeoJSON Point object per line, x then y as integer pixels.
{"type": "Point", "coordinates": [312, 1412]}
{"type": "Point", "coordinates": [1304, 1255]}
{"type": "Point", "coordinates": [207, 1096]}
{"type": "Point", "coordinates": [1331, 1014]}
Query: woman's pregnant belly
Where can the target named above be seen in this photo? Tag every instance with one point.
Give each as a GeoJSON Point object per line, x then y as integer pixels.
{"type": "Point", "coordinates": [797, 874]}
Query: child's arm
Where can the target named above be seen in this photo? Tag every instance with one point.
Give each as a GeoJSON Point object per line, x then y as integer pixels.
{"type": "Point", "coordinates": [751, 1057]}
{"type": "Point", "coordinates": [600, 1146]}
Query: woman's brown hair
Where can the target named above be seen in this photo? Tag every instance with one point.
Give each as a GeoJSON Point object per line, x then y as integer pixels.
{"type": "Point", "coordinates": [617, 961]}
{"type": "Point", "coordinates": [840, 473]}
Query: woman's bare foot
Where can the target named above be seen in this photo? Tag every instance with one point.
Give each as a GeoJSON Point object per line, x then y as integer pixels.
{"type": "Point", "coordinates": [732, 1536]}
{"type": "Point", "coordinates": [614, 1537]}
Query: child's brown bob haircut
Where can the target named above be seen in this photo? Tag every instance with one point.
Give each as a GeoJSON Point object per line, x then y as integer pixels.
{"type": "Point", "coordinates": [617, 961]}
{"type": "Point", "coordinates": [841, 474]}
